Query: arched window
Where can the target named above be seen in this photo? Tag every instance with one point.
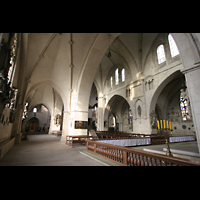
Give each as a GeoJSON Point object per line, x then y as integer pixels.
{"type": "Point", "coordinates": [123, 75]}
{"type": "Point", "coordinates": [34, 110]}
{"type": "Point", "coordinates": [111, 80]}
{"type": "Point", "coordinates": [184, 107]}
{"type": "Point", "coordinates": [116, 76]}
{"type": "Point", "coordinates": [130, 116]}
{"type": "Point", "coordinates": [173, 47]}
{"type": "Point", "coordinates": [161, 54]}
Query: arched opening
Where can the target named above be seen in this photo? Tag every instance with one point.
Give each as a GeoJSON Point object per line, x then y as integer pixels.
{"type": "Point", "coordinates": [165, 105]}
{"type": "Point", "coordinates": [47, 99]}
{"type": "Point", "coordinates": [93, 109]}
{"type": "Point", "coordinates": [118, 115]}
{"type": "Point", "coordinates": [32, 125]}
{"type": "Point", "coordinates": [37, 120]}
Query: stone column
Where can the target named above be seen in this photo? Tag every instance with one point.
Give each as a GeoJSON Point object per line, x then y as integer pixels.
{"type": "Point", "coordinates": [192, 75]}
{"type": "Point", "coordinates": [65, 125]}
{"type": "Point", "coordinates": [16, 129]}
{"type": "Point", "coordinates": [100, 116]}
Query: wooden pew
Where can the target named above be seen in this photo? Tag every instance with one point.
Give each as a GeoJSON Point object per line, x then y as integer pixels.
{"type": "Point", "coordinates": [57, 133]}
{"type": "Point", "coordinates": [70, 139]}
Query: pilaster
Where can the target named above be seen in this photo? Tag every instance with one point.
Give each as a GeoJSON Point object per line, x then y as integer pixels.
{"type": "Point", "coordinates": [65, 125]}
{"type": "Point", "coordinates": [100, 117]}
{"type": "Point", "coordinates": [192, 75]}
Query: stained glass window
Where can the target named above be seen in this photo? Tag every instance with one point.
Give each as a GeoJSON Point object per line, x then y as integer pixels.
{"type": "Point", "coordinates": [184, 109]}
{"type": "Point", "coordinates": [161, 54]}
{"type": "Point", "coordinates": [111, 80]}
{"type": "Point", "coordinates": [130, 116]}
{"type": "Point", "coordinates": [173, 48]}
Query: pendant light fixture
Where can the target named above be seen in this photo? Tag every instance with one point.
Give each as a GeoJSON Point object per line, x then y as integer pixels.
{"type": "Point", "coordinates": [109, 53]}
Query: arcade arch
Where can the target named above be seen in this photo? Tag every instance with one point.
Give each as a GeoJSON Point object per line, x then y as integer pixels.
{"type": "Point", "coordinates": [166, 103]}
{"type": "Point", "coordinates": [118, 114]}
{"type": "Point", "coordinates": [37, 121]}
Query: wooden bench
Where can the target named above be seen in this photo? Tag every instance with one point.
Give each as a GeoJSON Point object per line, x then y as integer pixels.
{"type": "Point", "coordinates": [57, 133]}
{"type": "Point", "coordinates": [70, 139]}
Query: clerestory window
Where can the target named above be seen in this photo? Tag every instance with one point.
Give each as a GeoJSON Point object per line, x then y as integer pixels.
{"type": "Point", "coordinates": [116, 76]}
{"type": "Point", "coordinates": [123, 75]}
{"type": "Point", "coordinates": [161, 54]}
{"type": "Point", "coordinates": [173, 47]}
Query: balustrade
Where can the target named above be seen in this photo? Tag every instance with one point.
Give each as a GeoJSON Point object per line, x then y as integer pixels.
{"type": "Point", "coordinates": [130, 157]}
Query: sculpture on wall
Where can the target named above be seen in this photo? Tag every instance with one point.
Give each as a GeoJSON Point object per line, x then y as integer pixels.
{"type": "Point", "coordinates": [8, 93]}
{"type": "Point", "coordinates": [111, 121]}
{"type": "Point", "coordinates": [57, 120]}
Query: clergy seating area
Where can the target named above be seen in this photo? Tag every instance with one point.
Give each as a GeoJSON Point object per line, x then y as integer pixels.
{"type": "Point", "coordinates": [125, 156]}
{"type": "Point", "coordinates": [120, 135]}
{"type": "Point", "coordinates": [136, 139]}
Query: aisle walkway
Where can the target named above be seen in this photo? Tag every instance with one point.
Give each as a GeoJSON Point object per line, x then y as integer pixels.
{"type": "Point", "coordinates": [46, 150]}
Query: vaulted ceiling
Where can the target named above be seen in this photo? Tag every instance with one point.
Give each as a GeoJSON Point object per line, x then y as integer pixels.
{"type": "Point", "coordinates": [48, 58]}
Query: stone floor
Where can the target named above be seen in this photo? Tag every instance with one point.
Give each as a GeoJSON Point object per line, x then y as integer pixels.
{"type": "Point", "coordinates": [46, 150]}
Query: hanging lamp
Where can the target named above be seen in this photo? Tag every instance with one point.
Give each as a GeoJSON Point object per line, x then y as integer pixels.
{"type": "Point", "coordinates": [109, 53]}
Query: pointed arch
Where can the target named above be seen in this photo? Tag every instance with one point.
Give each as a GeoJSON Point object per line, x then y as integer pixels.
{"type": "Point", "coordinates": [43, 83]}
{"type": "Point", "coordinates": [89, 69]}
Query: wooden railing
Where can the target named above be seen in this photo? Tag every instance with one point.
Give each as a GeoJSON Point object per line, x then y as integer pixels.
{"type": "Point", "coordinates": [130, 157]}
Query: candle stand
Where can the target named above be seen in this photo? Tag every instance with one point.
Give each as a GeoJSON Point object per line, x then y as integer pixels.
{"type": "Point", "coordinates": [168, 153]}
{"type": "Point", "coordinates": [162, 126]}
